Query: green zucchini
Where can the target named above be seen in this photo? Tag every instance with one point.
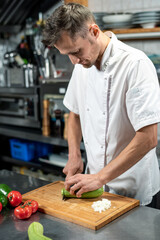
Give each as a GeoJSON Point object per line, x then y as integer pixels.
{"type": "Point", "coordinates": [91, 194]}
{"type": "Point", "coordinates": [35, 232]}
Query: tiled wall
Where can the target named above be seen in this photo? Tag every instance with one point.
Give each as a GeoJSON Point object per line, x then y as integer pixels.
{"type": "Point", "coordinates": [123, 5]}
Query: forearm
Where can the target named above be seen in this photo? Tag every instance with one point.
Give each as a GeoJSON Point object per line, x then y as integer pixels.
{"type": "Point", "coordinates": [143, 142]}
{"type": "Point", "coordinates": [74, 164]}
{"type": "Point", "coordinates": [74, 135]}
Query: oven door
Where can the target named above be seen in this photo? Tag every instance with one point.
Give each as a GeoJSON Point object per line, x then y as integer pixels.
{"type": "Point", "coordinates": [12, 106]}
{"type": "Point", "coordinates": [20, 109]}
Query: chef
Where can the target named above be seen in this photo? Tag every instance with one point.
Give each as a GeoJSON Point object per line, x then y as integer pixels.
{"type": "Point", "coordinates": [114, 102]}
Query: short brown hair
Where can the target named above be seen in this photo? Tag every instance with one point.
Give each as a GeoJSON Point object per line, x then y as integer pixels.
{"type": "Point", "coordinates": [71, 17]}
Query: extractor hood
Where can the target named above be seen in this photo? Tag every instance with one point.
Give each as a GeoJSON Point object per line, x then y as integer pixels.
{"type": "Point", "coordinates": [13, 13]}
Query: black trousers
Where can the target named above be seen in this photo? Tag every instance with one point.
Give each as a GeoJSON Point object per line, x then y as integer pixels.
{"type": "Point", "coordinates": [155, 201]}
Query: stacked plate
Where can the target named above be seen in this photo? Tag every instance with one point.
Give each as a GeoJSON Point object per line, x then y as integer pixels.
{"type": "Point", "coordinates": [120, 20]}
{"type": "Point", "coordinates": [147, 19]}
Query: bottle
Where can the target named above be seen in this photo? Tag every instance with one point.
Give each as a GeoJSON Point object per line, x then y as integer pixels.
{"type": "Point", "coordinates": [46, 118]}
{"type": "Point", "coordinates": [58, 126]}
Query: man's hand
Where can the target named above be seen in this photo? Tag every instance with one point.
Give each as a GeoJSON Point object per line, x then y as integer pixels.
{"type": "Point", "coordinates": [82, 183]}
{"type": "Point", "coordinates": [73, 167]}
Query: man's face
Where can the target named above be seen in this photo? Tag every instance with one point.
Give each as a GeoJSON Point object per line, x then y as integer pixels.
{"type": "Point", "coordinates": [82, 51]}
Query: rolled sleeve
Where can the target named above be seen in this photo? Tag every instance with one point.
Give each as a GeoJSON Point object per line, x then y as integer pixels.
{"type": "Point", "coordinates": [143, 97]}
{"type": "Point", "coordinates": [70, 99]}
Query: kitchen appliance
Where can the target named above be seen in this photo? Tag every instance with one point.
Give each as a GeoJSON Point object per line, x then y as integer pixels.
{"type": "Point", "coordinates": [79, 211]}
{"type": "Point", "coordinates": [20, 107]}
{"type": "Point", "coordinates": [17, 73]}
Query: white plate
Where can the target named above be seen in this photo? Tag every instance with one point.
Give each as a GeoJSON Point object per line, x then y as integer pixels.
{"type": "Point", "coordinates": [145, 21]}
{"type": "Point", "coordinates": [117, 18]}
{"type": "Point", "coordinates": [148, 25]}
{"type": "Point", "coordinates": [147, 13]}
{"type": "Point", "coordinates": [145, 18]}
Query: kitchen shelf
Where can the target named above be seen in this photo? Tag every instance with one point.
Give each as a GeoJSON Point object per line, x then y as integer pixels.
{"type": "Point", "coordinates": [19, 90]}
{"type": "Point", "coordinates": [36, 165]}
{"type": "Point", "coordinates": [137, 33]}
{"type": "Point", "coordinates": [34, 135]}
{"type": "Point", "coordinates": [20, 162]}
{"type": "Point", "coordinates": [14, 29]}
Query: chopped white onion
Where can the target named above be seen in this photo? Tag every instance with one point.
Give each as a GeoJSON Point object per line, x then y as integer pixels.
{"type": "Point", "coordinates": [101, 205]}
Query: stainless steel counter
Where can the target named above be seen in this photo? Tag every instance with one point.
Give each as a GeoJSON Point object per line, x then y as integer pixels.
{"type": "Point", "coordinates": [138, 224]}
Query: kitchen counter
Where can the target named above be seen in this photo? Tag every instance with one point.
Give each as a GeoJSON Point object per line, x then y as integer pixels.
{"type": "Point", "coordinates": [138, 224]}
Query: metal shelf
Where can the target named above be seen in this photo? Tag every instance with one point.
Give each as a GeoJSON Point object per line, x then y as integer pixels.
{"type": "Point", "coordinates": [34, 135]}
{"type": "Point", "coordinates": [14, 29]}
{"type": "Point", "coordinates": [137, 33]}
{"type": "Point", "coordinates": [19, 90]}
{"type": "Point", "coordinates": [20, 162]}
{"type": "Point", "coordinates": [37, 165]}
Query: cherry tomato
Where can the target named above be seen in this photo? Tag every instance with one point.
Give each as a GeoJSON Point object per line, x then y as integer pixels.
{"type": "Point", "coordinates": [23, 211]}
{"type": "Point", "coordinates": [14, 198]}
{"type": "Point", "coordinates": [33, 204]}
{"type": "Point", "coordinates": [0, 206]}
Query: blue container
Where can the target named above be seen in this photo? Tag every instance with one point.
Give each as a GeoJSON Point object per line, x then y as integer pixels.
{"type": "Point", "coordinates": [23, 150]}
{"type": "Point", "coordinates": [42, 149]}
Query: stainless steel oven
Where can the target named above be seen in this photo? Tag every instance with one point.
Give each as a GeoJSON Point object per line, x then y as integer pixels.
{"type": "Point", "coordinates": [20, 107]}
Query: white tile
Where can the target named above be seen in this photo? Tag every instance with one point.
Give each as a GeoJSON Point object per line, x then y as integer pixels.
{"type": "Point", "coordinates": [115, 5]}
{"type": "Point", "coordinates": [155, 3]}
{"type": "Point", "coordinates": [132, 6]}
{"type": "Point", "coordinates": [106, 6]}
{"type": "Point", "coordinates": [95, 5]}
{"type": "Point", "coordinates": [135, 44]}
{"type": "Point", "coordinates": [151, 5]}
{"type": "Point", "coordinates": [151, 46]}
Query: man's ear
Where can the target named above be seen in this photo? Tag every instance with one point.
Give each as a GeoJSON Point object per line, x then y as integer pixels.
{"type": "Point", "coordinates": [94, 30]}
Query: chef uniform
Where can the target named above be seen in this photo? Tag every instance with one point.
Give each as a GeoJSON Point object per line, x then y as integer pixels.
{"type": "Point", "coordinates": [113, 103]}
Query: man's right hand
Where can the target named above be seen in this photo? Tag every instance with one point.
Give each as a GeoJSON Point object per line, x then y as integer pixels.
{"type": "Point", "coordinates": [73, 167]}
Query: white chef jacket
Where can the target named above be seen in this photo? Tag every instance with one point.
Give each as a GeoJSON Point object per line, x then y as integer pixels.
{"type": "Point", "coordinates": [113, 103]}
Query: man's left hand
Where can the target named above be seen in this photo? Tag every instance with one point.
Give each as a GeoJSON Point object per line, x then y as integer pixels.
{"type": "Point", "coordinates": [82, 183]}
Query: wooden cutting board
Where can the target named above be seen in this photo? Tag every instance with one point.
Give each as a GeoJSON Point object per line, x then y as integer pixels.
{"type": "Point", "coordinates": [79, 211]}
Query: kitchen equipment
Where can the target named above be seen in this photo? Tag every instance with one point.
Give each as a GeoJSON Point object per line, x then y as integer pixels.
{"type": "Point", "coordinates": [30, 75]}
{"type": "Point", "coordinates": [20, 107]}
{"type": "Point", "coordinates": [79, 211]}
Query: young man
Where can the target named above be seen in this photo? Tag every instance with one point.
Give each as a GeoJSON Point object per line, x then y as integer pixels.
{"type": "Point", "coordinates": [113, 98]}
